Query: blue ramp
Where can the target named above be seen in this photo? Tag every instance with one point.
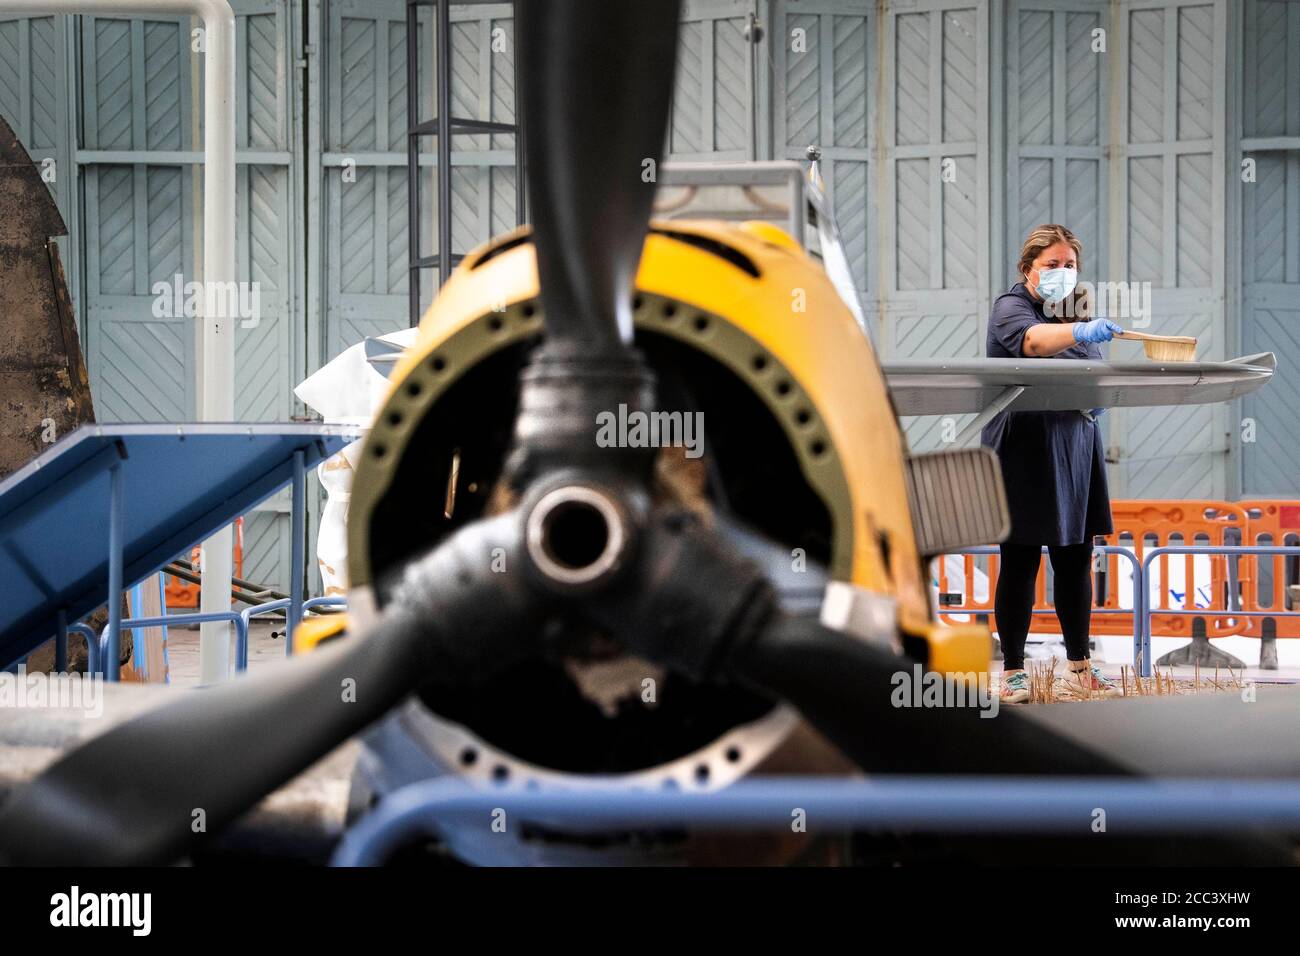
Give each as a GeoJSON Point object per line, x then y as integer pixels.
{"type": "Point", "coordinates": [179, 484]}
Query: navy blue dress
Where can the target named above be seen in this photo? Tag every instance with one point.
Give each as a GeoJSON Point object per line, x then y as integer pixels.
{"type": "Point", "coordinates": [1053, 463]}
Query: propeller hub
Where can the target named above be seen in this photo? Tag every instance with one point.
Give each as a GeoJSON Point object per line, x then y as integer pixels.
{"type": "Point", "coordinates": [577, 536]}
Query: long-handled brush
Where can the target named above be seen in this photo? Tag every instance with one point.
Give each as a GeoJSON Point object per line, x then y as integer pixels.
{"type": "Point", "coordinates": [1164, 348]}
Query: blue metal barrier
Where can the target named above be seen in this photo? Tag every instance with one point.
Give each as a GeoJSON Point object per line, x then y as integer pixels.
{"type": "Point", "coordinates": [1139, 591]}
{"type": "Point", "coordinates": [329, 600]}
{"type": "Point", "coordinates": [92, 647]}
{"type": "Point", "coordinates": [241, 644]}
{"type": "Point", "coordinates": [99, 648]}
{"type": "Point", "coordinates": [112, 663]}
{"type": "Point", "coordinates": [931, 804]}
{"type": "Point", "coordinates": [1142, 609]}
{"type": "Point", "coordinates": [1206, 549]}
{"type": "Point", "coordinates": [98, 645]}
{"type": "Point", "coordinates": [241, 653]}
{"type": "Point", "coordinates": [247, 614]}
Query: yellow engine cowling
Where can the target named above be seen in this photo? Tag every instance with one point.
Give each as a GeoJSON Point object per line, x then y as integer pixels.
{"type": "Point", "coordinates": [751, 298]}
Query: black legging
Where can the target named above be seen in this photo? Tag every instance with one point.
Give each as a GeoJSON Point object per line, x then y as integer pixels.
{"type": "Point", "coordinates": [1013, 604]}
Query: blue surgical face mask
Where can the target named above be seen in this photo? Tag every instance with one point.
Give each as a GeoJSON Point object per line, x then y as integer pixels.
{"type": "Point", "coordinates": [1055, 284]}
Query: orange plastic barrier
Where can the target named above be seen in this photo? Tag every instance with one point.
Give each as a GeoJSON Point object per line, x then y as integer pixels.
{"type": "Point", "coordinates": [954, 611]}
{"type": "Point", "coordinates": [183, 594]}
{"type": "Point", "coordinates": [1142, 524]}
{"type": "Point", "coordinates": [1152, 523]}
{"type": "Point", "coordinates": [1266, 579]}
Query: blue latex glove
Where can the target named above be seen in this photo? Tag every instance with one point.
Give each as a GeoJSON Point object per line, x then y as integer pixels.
{"type": "Point", "coordinates": [1098, 330]}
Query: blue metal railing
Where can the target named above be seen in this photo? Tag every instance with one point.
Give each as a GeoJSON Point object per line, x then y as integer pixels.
{"type": "Point", "coordinates": [241, 644]}
{"type": "Point", "coordinates": [1139, 592]}
{"type": "Point", "coordinates": [92, 647]}
{"type": "Point", "coordinates": [933, 804]}
{"type": "Point", "coordinates": [1207, 549]}
{"type": "Point", "coordinates": [112, 662]}
{"type": "Point", "coordinates": [106, 649]}
{"type": "Point", "coordinates": [102, 662]}
{"type": "Point", "coordinates": [1142, 606]}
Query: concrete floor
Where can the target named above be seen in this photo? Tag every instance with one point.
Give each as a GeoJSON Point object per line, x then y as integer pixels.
{"type": "Point", "coordinates": [1118, 651]}
{"type": "Point", "coordinates": [183, 653]}
{"type": "Point", "coordinates": [183, 650]}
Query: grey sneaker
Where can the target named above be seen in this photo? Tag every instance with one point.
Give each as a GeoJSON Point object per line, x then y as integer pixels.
{"type": "Point", "coordinates": [1015, 687]}
{"type": "Point", "coordinates": [1091, 680]}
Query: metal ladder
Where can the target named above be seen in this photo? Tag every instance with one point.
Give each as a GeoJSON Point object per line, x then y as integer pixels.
{"type": "Point", "coordinates": [443, 126]}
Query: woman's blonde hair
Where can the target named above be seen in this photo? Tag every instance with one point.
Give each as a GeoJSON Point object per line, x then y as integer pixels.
{"type": "Point", "coordinates": [1041, 237]}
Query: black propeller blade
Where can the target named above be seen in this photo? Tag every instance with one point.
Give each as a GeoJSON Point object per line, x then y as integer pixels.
{"type": "Point", "coordinates": [132, 795]}
{"type": "Point", "coordinates": [595, 84]}
{"type": "Point", "coordinates": [703, 609]}
{"type": "Point", "coordinates": [135, 795]}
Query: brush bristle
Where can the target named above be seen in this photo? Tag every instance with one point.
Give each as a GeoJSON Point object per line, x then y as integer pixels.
{"type": "Point", "coordinates": [1170, 351]}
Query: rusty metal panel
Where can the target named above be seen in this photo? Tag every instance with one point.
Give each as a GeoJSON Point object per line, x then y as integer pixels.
{"type": "Point", "coordinates": [44, 391]}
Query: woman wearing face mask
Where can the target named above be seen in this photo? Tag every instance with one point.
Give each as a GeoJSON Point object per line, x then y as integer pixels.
{"type": "Point", "coordinates": [1052, 462]}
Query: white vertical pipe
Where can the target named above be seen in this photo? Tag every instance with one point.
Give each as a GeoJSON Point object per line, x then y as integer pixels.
{"type": "Point", "coordinates": [218, 397]}
{"type": "Point", "coordinates": [216, 401]}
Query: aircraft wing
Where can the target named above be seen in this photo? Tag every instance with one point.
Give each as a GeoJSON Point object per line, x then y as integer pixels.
{"type": "Point", "coordinates": [989, 385]}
